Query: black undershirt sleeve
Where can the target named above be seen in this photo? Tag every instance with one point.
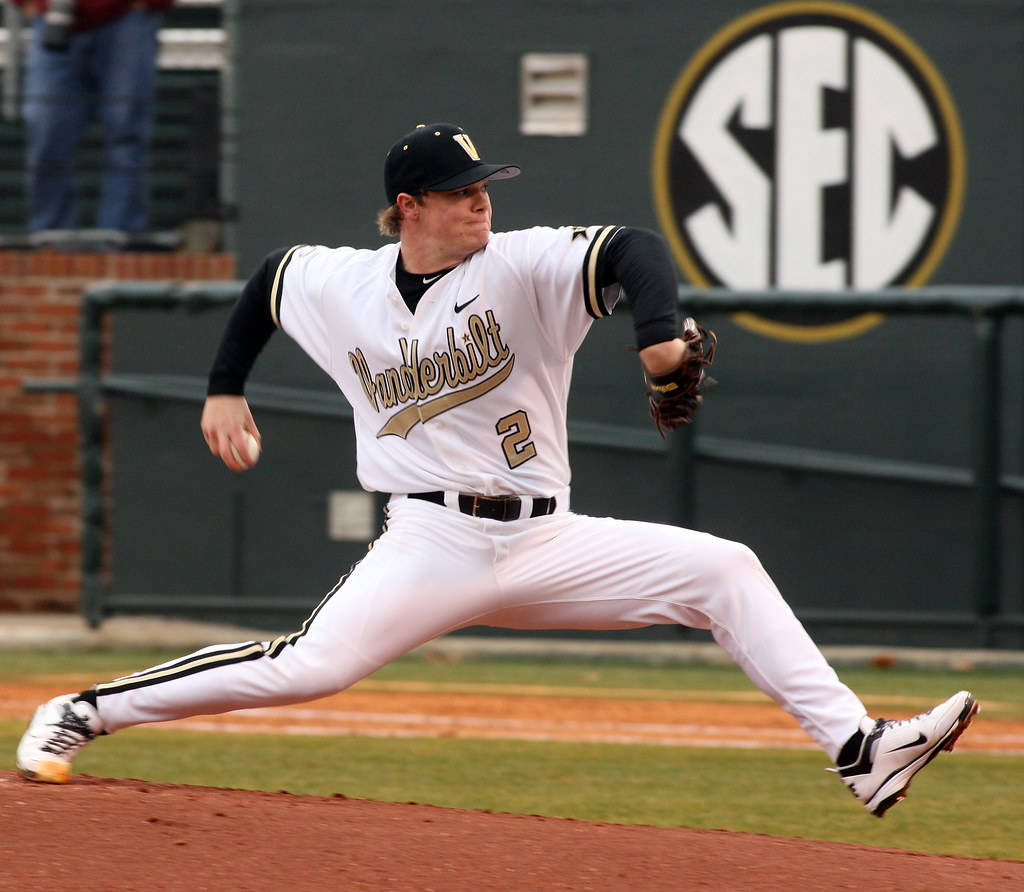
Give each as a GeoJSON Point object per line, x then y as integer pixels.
{"type": "Point", "coordinates": [639, 260]}
{"type": "Point", "coordinates": [247, 331]}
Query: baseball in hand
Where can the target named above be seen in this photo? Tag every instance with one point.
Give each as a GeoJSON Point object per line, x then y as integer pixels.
{"type": "Point", "coordinates": [251, 451]}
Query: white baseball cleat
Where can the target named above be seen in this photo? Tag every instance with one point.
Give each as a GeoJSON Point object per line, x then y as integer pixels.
{"type": "Point", "coordinates": [58, 730]}
{"type": "Point", "coordinates": [892, 752]}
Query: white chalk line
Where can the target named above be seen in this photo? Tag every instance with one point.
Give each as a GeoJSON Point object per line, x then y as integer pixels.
{"type": "Point", "coordinates": [337, 723]}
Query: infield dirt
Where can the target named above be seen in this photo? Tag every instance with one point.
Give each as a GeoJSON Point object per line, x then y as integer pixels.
{"type": "Point", "coordinates": [123, 834]}
{"type": "Point", "coordinates": [103, 834]}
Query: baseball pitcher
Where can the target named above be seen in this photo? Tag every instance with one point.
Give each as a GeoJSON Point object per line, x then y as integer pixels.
{"type": "Point", "coordinates": [454, 345]}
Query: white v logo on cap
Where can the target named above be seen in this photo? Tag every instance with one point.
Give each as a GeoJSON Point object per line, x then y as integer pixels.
{"type": "Point", "coordinates": [463, 140]}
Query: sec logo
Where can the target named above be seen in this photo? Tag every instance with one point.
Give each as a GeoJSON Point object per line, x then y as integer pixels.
{"type": "Point", "coordinates": [809, 146]}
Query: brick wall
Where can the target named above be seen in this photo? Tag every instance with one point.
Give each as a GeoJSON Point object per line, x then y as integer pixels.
{"type": "Point", "coordinates": [40, 295]}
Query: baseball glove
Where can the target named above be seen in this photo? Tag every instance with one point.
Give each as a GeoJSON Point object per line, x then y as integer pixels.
{"type": "Point", "coordinates": [674, 396]}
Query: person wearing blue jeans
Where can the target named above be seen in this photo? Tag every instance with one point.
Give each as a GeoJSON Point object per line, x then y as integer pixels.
{"type": "Point", "coordinates": [106, 71]}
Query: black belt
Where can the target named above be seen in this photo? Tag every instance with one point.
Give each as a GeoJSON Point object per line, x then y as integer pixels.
{"type": "Point", "coordinates": [491, 507]}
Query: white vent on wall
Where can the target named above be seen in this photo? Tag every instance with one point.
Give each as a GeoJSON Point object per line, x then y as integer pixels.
{"type": "Point", "coordinates": [350, 516]}
{"type": "Point", "coordinates": [553, 94]}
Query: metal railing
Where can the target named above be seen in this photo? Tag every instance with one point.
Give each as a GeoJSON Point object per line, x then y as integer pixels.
{"type": "Point", "coordinates": [987, 307]}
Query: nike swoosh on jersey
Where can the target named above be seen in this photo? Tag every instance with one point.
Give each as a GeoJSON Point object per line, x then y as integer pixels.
{"type": "Point", "coordinates": [428, 279]}
{"type": "Point", "coordinates": [460, 307]}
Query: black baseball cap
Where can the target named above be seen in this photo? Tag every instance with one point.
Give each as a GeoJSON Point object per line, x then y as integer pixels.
{"type": "Point", "coordinates": [439, 158]}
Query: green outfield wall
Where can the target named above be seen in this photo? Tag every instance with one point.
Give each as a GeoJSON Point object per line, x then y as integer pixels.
{"type": "Point", "coordinates": [812, 147]}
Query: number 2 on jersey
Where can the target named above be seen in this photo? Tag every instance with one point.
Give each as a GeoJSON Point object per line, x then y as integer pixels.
{"type": "Point", "coordinates": [516, 430]}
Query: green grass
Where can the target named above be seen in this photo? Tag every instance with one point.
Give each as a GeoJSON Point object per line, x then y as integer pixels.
{"type": "Point", "coordinates": [967, 804]}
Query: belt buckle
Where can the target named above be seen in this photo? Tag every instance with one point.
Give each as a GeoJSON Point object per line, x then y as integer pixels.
{"type": "Point", "coordinates": [500, 508]}
{"type": "Point", "coordinates": [513, 502]}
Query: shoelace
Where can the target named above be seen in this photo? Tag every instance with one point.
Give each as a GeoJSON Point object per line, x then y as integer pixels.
{"type": "Point", "coordinates": [896, 723]}
{"type": "Point", "coordinates": [71, 732]}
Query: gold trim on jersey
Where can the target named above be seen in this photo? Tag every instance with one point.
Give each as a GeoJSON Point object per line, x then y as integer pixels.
{"type": "Point", "coordinates": [592, 295]}
{"type": "Point", "coordinates": [277, 288]}
{"type": "Point", "coordinates": [404, 421]}
{"type": "Point", "coordinates": [419, 380]}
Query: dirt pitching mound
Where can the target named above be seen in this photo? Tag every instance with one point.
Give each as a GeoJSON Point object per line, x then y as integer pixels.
{"type": "Point", "coordinates": [107, 834]}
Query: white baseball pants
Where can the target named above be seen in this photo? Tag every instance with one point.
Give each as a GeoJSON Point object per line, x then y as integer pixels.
{"type": "Point", "coordinates": [435, 570]}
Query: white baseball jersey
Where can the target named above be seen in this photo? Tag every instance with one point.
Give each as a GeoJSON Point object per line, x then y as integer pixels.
{"type": "Point", "coordinates": [469, 392]}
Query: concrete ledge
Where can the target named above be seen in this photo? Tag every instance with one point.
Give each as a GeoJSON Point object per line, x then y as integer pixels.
{"type": "Point", "coordinates": [667, 653]}
{"type": "Point", "coordinates": [25, 631]}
